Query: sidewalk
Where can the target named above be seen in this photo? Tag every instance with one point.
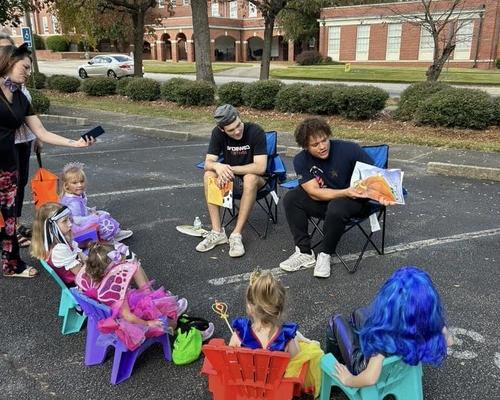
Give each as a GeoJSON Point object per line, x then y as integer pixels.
{"type": "Point", "coordinates": [442, 161]}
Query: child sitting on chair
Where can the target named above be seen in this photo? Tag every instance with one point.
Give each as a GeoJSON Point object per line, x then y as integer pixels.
{"type": "Point", "coordinates": [52, 241]}
{"type": "Point", "coordinates": [73, 196]}
{"type": "Point", "coordinates": [264, 329]}
{"type": "Point", "coordinates": [406, 319]}
{"type": "Point", "coordinates": [136, 313]}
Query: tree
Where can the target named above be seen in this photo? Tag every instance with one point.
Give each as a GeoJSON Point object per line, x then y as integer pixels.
{"type": "Point", "coordinates": [201, 33]}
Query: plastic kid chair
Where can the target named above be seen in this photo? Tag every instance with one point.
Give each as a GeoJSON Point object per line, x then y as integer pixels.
{"type": "Point", "coordinates": [398, 379]}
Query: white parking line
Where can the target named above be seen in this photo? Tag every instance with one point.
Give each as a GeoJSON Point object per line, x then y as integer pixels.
{"type": "Point", "coordinates": [420, 244]}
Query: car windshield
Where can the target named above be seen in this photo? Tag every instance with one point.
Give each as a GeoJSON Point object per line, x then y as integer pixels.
{"type": "Point", "coordinates": [122, 58]}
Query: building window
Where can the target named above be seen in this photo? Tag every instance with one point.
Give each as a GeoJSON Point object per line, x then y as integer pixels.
{"type": "Point", "coordinates": [215, 8]}
{"type": "Point", "coordinates": [45, 24]}
{"type": "Point", "coordinates": [55, 24]}
{"type": "Point", "coordinates": [252, 10]}
{"type": "Point", "coordinates": [233, 9]}
{"type": "Point", "coordinates": [161, 3]}
{"type": "Point", "coordinates": [13, 31]}
{"type": "Point", "coordinates": [186, 2]}
{"type": "Point", "coordinates": [426, 48]}
{"type": "Point", "coordinates": [362, 42]}
{"type": "Point", "coordinates": [463, 40]}
{"type": "Point", "coordinates": [393, 41]}
{"type": "Point", "coordinates": [173, 2]}
{"type": "Point", "coordinates": [334, 43]}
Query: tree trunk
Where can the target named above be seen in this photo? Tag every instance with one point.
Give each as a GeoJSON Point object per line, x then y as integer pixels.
{"type": "Point", "coordinates": [138, 22]}
{"type": "Point", "coordinates": [266, 51]}
{"type": "Point", "coordinates": [434, 71]}
{"type": "Point", "coordinates": [201, 34]}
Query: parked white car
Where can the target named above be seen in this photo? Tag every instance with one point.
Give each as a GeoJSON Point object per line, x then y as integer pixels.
{"type": "Point", "coordinates": [110, 65]}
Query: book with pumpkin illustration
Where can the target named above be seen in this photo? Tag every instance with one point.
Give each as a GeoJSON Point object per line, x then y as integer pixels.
{"type": "Point", "coordinates": [220, 196]}
{"type": "Point", "coordinates": [379, 183]}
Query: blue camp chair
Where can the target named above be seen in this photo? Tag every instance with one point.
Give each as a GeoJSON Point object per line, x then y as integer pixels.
{"type": "Point", "coordinates": [380, 156]}
{"type": "Point", "coordinates": [402, 381]}
{"type": "Point", "coordinates": [266, 196]}
{"type": "Point", "coordinates": [73, 319]}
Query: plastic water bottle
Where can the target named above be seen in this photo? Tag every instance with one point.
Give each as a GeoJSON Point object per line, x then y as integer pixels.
{"type": "Point", "coordinates": [197, 223]}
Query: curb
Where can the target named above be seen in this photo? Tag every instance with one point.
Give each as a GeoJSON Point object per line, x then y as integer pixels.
{"type": "Point", "coordinates": [178, 135]}
{"type": "Point", "coordinates": [465, 171]}
{"type": "Point", "coordinates": [67, 120]}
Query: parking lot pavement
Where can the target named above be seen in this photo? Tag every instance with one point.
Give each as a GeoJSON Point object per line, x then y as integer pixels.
{"type": "Point", "coordinates": [450, 227]}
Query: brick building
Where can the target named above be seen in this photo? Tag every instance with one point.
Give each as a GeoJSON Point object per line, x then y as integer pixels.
{"type": "Point", "coordinates": [43, 23]}
{"type": "Point", "coordinates": [236, 33]}
{"type": "Point", "coordinates": [380, 34]}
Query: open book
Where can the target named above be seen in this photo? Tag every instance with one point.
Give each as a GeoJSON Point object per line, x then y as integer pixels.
{"type": "Point", "coordinates": [220, 196]}
{"type": "Point", "coordinates": [378, 182]}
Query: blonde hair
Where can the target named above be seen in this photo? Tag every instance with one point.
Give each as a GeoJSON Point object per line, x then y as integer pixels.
{"type": "Point", "coordinates": [98, 260]}
{"type": "Point", "coordinates": [38, 235]}
{"type": "Point", "coordinates": [267, 296]}
{"type": "Point", "coordinates": [70, 172]}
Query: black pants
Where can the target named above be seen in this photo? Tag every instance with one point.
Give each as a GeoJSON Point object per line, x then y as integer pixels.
{"type": "Point", "coordinates": [23, 168]}
{"type": "Point", "coordinates": [336, 214]}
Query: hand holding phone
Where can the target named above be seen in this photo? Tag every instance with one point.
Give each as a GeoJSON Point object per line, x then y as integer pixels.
{"type": "Point", "coordinates": [93, 133]}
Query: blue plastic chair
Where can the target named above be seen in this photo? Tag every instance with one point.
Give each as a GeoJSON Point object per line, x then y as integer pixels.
{"type": "Point", "coordinates": [397, 378]}
{"type": "Point", "coordinates": [97, 344]}
{"type": "Point", "coordinates": [68, 307]}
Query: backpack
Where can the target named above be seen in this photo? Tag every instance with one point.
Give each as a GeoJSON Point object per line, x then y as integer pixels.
{"type": "Point", "coordinates": [188, 341]}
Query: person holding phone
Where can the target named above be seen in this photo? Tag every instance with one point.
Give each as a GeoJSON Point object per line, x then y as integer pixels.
{"type": "Point", "coordinates": [15, 109]}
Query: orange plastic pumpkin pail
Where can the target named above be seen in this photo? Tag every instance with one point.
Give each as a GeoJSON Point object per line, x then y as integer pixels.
{"type": "Point", "coordinates": [44, 185]}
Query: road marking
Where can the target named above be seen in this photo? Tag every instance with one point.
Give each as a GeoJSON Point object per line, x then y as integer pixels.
{"type": "Point", "coordinates": [420, 244]}
{"type": "Point", "coordinates": [497, 359]}
{"type": "Point", "coordinates": [74, 153]}
{"type": "Point", "coordinates": [463, 354]}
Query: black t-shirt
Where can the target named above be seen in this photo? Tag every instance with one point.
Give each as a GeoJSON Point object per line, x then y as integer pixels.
{"type": "Point", "coordinates": [335, 171]}
{"type": "Point", "coordinates": [238, 152]}
{"type": "Point", "coordinates": [12, 117]}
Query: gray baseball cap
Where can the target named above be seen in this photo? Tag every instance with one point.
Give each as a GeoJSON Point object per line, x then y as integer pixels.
{"type": "Point", "coordinates": [225, 114]}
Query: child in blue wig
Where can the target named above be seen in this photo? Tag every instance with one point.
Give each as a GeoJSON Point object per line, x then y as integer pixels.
{"type": "Point", "coordinates": [406, 318]}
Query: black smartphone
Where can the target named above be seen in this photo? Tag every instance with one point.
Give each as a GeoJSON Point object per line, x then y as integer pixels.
{"type": "Point", "coordinates": [94, 132]}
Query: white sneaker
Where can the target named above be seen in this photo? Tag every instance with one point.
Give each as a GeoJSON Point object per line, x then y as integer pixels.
{"type": "Point", "coordinates": [297, 261]}
{"type": "Point", "coordinates": [322, 267]}
{"type": "Point", "coordinates": [182, 305]}
{"type": "Point", "coordinates": [123, 234]}
{"type": "Point", "coordinates": [236, 248]}
{"type": "Point", "coordinates": [211, 240]}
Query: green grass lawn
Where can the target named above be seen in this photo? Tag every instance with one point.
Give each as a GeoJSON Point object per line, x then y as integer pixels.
{"type": "Point", "coordinates": [185, 68]}
{"type": "Point", "coordinates": [386, 74]}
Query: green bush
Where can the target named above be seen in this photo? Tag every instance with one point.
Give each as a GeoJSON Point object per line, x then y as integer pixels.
{"type": "Point", "coordinates": [497, 63]}
{"type": "Point", "coordinates": [63, 83]}
{"type": "Point", "coordinates": [463, 108]}
{"type": "Point", "coordinates": [261, 94]}
{"type": "Point", "coordinates": [309, 57]}
{"type": "Point", "coordinates": [323, 99]}
{"type": "Point", "coordinates": [121, 85]}
{"type": "Point", "coordinates": [290, 98]}
{"type": "Point", "coordinates": [37, 80]}
{"type": "Point", "coordinates": [362, 102]}
{"type": "Point", "coordinates": [170, 88]}
{"type": "Point", "coordinates": [196, 93]}
{"type": "Point", "coordinates": [414, 95]}
{"type": "Point", "coordinates": [39, 101]}
{"type": "Point", "coordinates": [99, 86]}
{"type": "Point", "coordinates": [140, 89]}
{"type": "Point", "coordinates": [57, 43]}
{"type": "Point", "coordinates": [231, 93]}
{"type": "Point", "coordinates": [496, 111]}
{"type": "Point", "coordinates": [39, 43]}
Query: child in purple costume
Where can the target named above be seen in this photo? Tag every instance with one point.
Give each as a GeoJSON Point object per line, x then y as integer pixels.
{"type": "Point", "coordinates": [73, 196]}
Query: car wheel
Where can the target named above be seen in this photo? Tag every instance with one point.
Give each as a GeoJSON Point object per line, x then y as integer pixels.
{"type": "Point", "coordinates": [111, 74]}
{"type": "Point", "coordinates": [82, 73]}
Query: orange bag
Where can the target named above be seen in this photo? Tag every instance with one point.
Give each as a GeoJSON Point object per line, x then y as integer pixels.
{"type": "Point", "coordinates": [44, 185]}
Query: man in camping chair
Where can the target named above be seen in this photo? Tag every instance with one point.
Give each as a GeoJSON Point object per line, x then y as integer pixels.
{"type": "Point", "coordinates": [324, 168]}
{"type": "Point", "coordinates": [244, 161]}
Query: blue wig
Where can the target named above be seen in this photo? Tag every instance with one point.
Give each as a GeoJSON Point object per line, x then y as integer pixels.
{"type": "Point", "coordinates": [406, 318]}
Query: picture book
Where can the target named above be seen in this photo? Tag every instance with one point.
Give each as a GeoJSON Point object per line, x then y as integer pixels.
{"type": "Point", "coordinates": [220, 196]}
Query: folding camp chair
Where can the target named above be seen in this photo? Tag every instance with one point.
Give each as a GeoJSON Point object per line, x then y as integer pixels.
{"type": "Point", "coordinates": [380, 156]}
{"type": "Point", "coordinates": [267, 197]}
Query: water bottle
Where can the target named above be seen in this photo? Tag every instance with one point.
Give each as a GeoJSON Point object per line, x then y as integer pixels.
{"type": "Point", "coordinates": [197, 223]}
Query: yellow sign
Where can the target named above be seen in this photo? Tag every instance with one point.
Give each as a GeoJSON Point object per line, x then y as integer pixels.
{"type": "Point", "coordinates": [347, 67]}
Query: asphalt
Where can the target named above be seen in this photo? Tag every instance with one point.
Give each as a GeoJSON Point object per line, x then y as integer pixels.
{"type": "Point", "coordinates": [450, 227]}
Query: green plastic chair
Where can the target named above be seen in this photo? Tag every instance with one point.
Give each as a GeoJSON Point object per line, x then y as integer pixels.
{"type": "Point", "coordinates": [72, 319]}
{"type": "Point", "coordinates": [397, 378]}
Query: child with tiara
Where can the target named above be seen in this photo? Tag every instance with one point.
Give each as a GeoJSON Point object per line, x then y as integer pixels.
{"type": "Point", "coordinates": [264, 329]}
{"type": "Point", "coordinates": [52, 241]}
{"type": "Point", "coordinates": [406, 319]}
{"type": "Point", "coordinates": [73, 196]}
{"type": "Point", "coordinates": [136, 313]}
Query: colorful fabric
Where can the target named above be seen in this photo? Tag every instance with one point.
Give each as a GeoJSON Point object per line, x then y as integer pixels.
{"type": "Point", "coordinates": [310, 352]}
{"type": "Point", "coordinates": [248, 338]}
